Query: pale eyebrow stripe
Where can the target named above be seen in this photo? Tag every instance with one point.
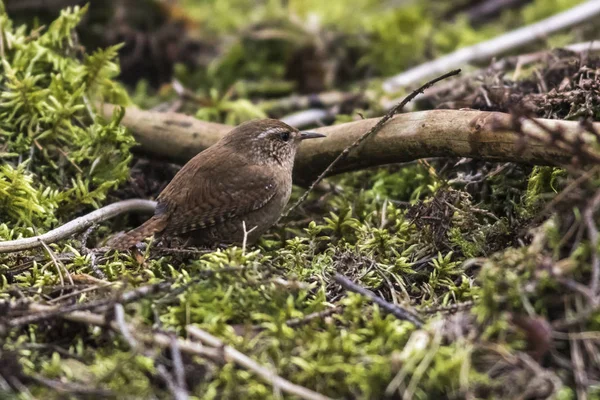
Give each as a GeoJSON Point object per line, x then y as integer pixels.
{"type": "Point", "coordinates": [269, 131]}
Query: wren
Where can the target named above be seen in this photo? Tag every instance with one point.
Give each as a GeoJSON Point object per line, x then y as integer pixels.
{"type": "Point", "coordinates": [237, 187]}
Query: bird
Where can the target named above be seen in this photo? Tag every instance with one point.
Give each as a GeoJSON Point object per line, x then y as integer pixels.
{"type": "Point", "coordinates": [230, 193]}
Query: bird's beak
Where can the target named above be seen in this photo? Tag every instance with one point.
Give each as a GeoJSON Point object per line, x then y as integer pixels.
{"type": "Point", "coordinates": [310, 135]}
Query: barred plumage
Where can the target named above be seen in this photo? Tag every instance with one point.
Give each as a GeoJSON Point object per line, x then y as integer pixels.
{"type": "Point", "coordinates": [245, 178]}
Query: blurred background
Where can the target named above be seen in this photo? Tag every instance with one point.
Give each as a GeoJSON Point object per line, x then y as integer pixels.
{"type": "Point", "coordinates": [210, 54]}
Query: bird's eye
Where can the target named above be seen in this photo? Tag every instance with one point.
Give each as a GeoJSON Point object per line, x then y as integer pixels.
{"type": "Point", "coordinates": [285, 136]}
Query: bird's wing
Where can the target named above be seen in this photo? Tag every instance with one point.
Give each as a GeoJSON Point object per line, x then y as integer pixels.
{"type": "Point", "coordinates": [211, 193]}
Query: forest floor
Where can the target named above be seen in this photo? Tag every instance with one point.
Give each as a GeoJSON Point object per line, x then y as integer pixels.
{"type": "Point", "coordinates": [440, 277]}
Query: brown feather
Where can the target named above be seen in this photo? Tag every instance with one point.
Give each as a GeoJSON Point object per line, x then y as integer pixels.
{"type": "Point", "coordinates": [129, 239]}
{"type": "Point", "coordinates": [240, 184]}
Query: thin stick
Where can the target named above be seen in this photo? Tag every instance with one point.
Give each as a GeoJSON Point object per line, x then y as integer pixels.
{"type": "Point", "coordinates": [178, 391]}
{"type": "Point", "coordinates": [123, 327]}
{"type": "Point", "coordinates": [158, 338]}
{"type": "Point", "coordinates": [79, 224]}
{"type": "Point", "coordinates": [295, 322]}
{"type": "Point", "coordinates": [57, 264]}
{"type": "Point", "coordinates": [243, 360]}
{"type": "Point", "coordinates": [393, 309]}
{"type": "Point", "coordinates": [58, 271]}
{"type": "Point", "coordinates": [593, 236]}
{"type": "Point", "coordinates": [376, 128]}
{"type": "Point", "coordinates": [55, 311]}
{"type": "Point", "coordinates": [72, 390]}
{"type": "Point", "coordinates": [78, 292]}
{"type": "Point", "coordinates": [178, 368]}
{"type": "Point", "coordinates": [245, 240]}
{"type": "Point", "coordinates": [498, 45]}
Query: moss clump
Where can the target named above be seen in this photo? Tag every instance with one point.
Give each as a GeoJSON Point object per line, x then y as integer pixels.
{"type": "Point", "coordinates": [59, 156]}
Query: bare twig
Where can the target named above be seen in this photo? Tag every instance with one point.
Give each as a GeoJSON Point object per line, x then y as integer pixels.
{"type": "Point", "coordinates": [72, 389]}
{"type": "Point", "coordinates": [178, 392]}
{"type": "Point", "coordinates": [294, 322]}
{"type": "Point", "coordinates": [376, 128]}
{"type": "Point", "coordinates": [246, 233]}
{"type": "Point", "coordinates": [123, 328]}
{"type": "Point", "coordinates": [157, 338]}
{"type": "Point", "coordinates": [84, 290]}
{"type": "Point", "coordinates": [178, 369]}
{"type": "Point", "coordinates": [593, 236]}
{"type": "Point", "coordinates": [53, 311]}
{"type": "Point", "coordinates": [58, 270]}
{"type": "Point", "coordinates": [581, 379]}
{"type": "Point", "coordinates": [177, 388]}
{"type": "Point", "coordinates": [393, 309]}
{"type": "Point", "coordinates": [498, 45]}
{"type": "Point", "coordinates": [58, 264]}
{"type": "Point", "coordinates": [243, 360]}
{"type": "Point", "coordinates": [79, 224]}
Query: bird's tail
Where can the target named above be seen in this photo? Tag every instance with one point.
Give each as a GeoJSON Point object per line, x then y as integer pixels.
{"type": "Point", "coordinates": [129, 239]}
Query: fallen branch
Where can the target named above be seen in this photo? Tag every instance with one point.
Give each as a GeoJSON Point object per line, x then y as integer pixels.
{"type": "Point", "coordinates": [243, 360]}
{"type": "Point", "coordinates": [406, 137]}
{"type": "Point", "coordinates": [159, 339]}
{"type": "Point", "coordinates": [370, 133]}
{"type": "Point", "coordinates": [162, 340]}
{"type": "Point", "coordinates": [393, 309]}
{"type": "Point", "coordinates": [79, 224]}
{"type": "Point", "coordinates": [485, 50]}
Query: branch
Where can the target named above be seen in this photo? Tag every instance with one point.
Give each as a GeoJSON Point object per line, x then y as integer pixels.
{"type": "Point", "coordinates": [243, 360]}
{"type": "Point", "coordinates": [159, 339]}
{"type": "Point", "coordinates": [393, 309]}
{"type": "Point", "coordinates": [371, 132]}
{"type": "Point", "coordinates": [588, 215]}
{"type": "Point", "coordinates": [406, 137]}
{"type": "Point", "coordinates": [498, 45]}
{"type": "Point", "coordinates": [165, 341]}
{"type": "Point", "coordinates": [79, 224]}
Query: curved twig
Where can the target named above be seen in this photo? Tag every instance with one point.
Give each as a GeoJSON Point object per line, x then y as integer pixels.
{"type": "Point", "coordinates": [79, 224]}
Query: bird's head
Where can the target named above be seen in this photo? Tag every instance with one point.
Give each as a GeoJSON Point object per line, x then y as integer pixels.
{"type": "Point", "coordinates": [268, 141]}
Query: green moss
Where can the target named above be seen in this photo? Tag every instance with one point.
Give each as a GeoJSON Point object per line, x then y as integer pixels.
{"type": "Point", "coordinates": [61, 156]}
{"type": "Point", "coordinates": [62, 159]}
{"type": "Point", "coordinates": [543, 180]}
